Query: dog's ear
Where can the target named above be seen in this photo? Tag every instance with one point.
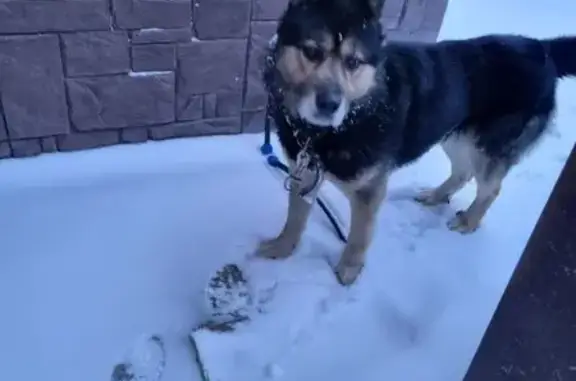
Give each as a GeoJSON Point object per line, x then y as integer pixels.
{"type": "Point", "coordinates": [376, 6]}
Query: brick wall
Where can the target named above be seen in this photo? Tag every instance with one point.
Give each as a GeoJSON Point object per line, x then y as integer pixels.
{"type": "Point", "coordinates": [77, 74]}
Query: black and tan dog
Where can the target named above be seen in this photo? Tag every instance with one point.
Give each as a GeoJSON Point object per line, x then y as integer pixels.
{"type": "Point", "coordinates": [364, 107]}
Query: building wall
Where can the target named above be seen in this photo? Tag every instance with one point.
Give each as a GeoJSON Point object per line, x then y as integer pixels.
{"type": "Point", "coordinates": [78, 74]}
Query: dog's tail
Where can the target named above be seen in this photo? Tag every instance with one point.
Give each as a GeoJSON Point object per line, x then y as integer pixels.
{"type": "Point", "coordinates": [562, 50]}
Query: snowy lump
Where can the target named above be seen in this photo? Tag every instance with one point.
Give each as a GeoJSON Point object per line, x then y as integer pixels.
{"type": "Point", "coordinates": [228, 298]}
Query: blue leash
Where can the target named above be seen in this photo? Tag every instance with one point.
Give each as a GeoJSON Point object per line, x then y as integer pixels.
{"type": "Point", "coordinates": [267, 150]}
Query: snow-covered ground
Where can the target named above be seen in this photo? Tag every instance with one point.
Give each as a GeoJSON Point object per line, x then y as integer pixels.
{"type": "Point", "coordinates": [100, 247]}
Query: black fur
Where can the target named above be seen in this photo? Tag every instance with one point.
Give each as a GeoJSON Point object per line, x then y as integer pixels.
{"type": "Point", "coordinates": [488, 87]}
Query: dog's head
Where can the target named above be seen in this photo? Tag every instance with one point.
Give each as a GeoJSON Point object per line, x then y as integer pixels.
{"type": "Point", "coordinates": [327, 52]}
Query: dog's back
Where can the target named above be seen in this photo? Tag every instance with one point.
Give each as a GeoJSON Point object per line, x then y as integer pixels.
{"type": "Point", "coordinates": [499, 91]}
{"type": "Point", "coordinates": [505, 73]}
{"type": "Point", "coordinates": [467, 85]}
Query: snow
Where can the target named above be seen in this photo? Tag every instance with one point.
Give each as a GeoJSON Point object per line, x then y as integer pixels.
{"type": "Point", "coordinates": [102, 247]}
{"type": "Point", "coordinates": [148, 73]}
{"type": "Point", "coordinates": [153, 30]}
{"type": "Point", "coordinates": [147, 357]}
{"type": "Point", "coordinates": [291, 299]}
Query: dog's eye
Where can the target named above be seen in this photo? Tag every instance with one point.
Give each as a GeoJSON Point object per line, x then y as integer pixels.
{"type": "Point", "coordinates": [312, 53]}
{"type": "Point", "coordinates": [352, 63]}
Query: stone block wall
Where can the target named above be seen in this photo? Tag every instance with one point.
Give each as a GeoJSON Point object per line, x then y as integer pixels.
{"type": "Point", "coordinates": [78, 74]}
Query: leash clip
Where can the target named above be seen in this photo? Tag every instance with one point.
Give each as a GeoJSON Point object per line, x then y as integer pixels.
{"type": "Point", "coordinates": [305, 161]}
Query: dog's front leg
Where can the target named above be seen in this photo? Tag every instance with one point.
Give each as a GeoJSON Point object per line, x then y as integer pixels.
{"type": "Point", "coordinates": [298, 212]}
{"type": "Point", "coordinates": [364, 206]}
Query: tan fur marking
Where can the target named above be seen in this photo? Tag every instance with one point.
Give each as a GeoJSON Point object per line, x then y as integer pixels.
{"type": "Point", "coordinates": [293, 67]}
{"type": "Point", "coordinates": [467, 162]}
{"type": "Point", "coordinates": [285, 242]}
{"type": "Point", "coordinates": [364, 206]}
{"type": "Point", "coordinates": [460, 151]}
{"type": "Point", "coordinates": [349, 47]}
{"type": "Point", "coordinates": [297, 70]}
{"type": "Point", "coordinates": [325, 73]}
{"type": "Point", "coordinates": [351, 186]}
{"type": "Point", "coordinates": [325, 42]}
{"type": "Point", "coordinates": [358, 83]}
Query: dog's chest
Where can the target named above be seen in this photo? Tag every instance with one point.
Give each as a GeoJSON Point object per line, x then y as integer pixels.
{"type": "Point", "coordinates": [341, 159]}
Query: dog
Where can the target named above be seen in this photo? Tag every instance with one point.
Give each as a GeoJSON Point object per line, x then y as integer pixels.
{"type": "Point", "coordinates": [360, 107]}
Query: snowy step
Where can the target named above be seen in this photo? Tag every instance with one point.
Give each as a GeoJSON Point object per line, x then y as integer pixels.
{"type": "Point", "coordinates": [283, 305]}
{"type": "Point", "coordinates": [145, 361]}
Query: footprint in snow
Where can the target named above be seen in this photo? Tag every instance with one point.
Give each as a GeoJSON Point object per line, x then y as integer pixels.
{"type": "Point", "coordinates": [145, 361]}
{"type": "Point", "coordinates": [418, 218]}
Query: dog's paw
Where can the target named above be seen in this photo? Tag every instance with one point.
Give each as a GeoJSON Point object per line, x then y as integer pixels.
{"type": "Point", "coordinates": [462, 224]}
{"type": "Point", "coordinates": [347, 273]}
{"type": "Point", "coordinates": [275, 248]}
{"type": "Point", "coordinates": [429, 197]}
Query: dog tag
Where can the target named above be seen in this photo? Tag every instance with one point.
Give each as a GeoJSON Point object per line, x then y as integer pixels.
{"type": "Point", "coordinates": [308, 191]}
{"type": "Point", "coordinates": [302, 164]}
{"type": "Point", "coordinates": [307, 174]}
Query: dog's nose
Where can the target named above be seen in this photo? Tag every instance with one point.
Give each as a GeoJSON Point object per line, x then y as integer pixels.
{"type": "Point", "coordinates": [327, 102]}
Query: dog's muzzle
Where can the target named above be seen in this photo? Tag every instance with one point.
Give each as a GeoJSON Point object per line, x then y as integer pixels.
{"type": "Point", "coordinates": [328, 101]}
{"type": "Point", "coordinates": [325, 106]}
